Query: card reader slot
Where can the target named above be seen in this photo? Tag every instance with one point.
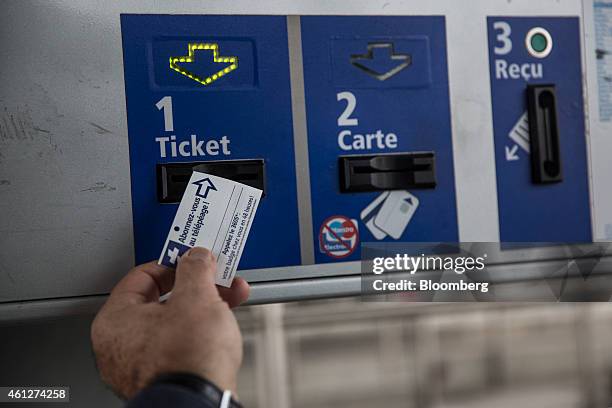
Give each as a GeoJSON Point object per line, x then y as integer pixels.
{"type": "Point", "coordinates": [544, 134]}
{"type": "Point", "coordinates": [377, 165]}
{"type": "Point", "coordinates": [387, 172]}
{"type": "Point", "coordinates": [172, 178]}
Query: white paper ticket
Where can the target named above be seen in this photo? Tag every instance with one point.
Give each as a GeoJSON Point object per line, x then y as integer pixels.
{"type": "Point", "coordinates": [217, 214]}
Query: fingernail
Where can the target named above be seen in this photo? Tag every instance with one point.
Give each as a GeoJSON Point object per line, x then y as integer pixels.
{"type": "Point", "coordinates": [201, 253]}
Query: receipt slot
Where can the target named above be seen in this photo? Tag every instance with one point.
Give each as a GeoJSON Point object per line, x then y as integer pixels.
{"type": "Point", "coordinates": [543, 134]}
{"type": "Point", "coordinates": [211, 93]}
{"type": "Point", "coordinates": [379, 133]}
{"type": "Point", "coordinates": [539, 129]}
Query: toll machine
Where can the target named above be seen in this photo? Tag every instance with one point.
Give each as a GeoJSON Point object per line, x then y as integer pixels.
{"type": "Point", "coordinates": [379, 122]}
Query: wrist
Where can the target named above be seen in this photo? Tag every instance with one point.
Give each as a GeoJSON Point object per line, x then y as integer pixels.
{"type": "Point", "coordinates": [199, 385]}
{"type": "Point", "coordinates": [222, 381]}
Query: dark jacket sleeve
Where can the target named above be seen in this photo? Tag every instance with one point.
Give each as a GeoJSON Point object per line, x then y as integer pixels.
{"type": "Point", "coordinates": [169, 396]}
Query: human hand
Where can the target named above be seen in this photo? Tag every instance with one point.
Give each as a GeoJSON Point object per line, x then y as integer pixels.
{"type": "Point", "coordinates": [135, 338]}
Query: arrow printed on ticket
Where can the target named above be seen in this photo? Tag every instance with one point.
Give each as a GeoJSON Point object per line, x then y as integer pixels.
{"type": "Point", "coordinates": [214, 213]}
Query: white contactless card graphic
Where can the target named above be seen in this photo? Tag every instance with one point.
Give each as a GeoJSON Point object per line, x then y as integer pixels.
{"type": "Point", "coordinates": [214, 213]}
{"type": "Point", "coordinates": [370, 212]}
{"type": "Point", "coordinates": [396, 213]}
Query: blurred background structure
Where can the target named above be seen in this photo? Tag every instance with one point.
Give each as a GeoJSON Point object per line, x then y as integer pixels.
{"type": "Point", "coordinates": [349, 353]}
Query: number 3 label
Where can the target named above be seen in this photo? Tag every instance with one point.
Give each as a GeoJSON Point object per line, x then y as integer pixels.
{"type": "Point", "coordinates": [503, 37]}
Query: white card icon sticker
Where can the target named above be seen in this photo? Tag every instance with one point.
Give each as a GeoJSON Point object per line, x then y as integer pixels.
{"type": "Point", "coordinates": [370, 212]}
{"type": "Point", "coordinates": [396, 213]}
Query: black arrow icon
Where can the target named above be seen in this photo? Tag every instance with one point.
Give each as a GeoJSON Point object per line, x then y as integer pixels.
{"type": "Point", "coordinates": [204, 184]}
{"type": "Point", "coordinates": [381, 52]}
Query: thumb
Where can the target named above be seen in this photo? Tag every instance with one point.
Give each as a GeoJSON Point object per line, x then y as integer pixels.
{"type": "Point", "coordinates": [195, 276]}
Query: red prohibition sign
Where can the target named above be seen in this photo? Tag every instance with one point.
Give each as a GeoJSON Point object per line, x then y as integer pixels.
{"type": "Point", "coordinates": [325, 227]}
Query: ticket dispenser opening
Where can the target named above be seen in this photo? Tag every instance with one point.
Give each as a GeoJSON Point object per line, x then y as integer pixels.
{"type": "Point", "coordinates": [172, 178]}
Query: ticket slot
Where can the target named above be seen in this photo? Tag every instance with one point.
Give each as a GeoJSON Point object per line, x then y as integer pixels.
{"type": "Point", "coordinates": [172, 178]}
{"type": "Point", "coordinates": [544, 134]}
{"type": "Point", "coordinates": [387, 172]}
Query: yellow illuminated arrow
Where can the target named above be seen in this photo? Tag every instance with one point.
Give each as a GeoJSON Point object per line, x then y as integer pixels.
{"type": "Point", "coordinates": [192, 47]}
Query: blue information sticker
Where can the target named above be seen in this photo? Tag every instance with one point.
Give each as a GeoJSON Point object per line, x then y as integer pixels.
{"type": "Point", "coordinates": [377, 85]}
{"type": "Point", "coordinates": [204, 89]}
{"type": "Point", "coordinates": [526, 51]}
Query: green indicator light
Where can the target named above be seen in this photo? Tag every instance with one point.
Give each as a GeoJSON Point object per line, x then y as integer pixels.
{"type": "Point", "coordinates": [539, 42]}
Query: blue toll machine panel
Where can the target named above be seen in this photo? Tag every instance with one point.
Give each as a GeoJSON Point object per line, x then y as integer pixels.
{"type": "Point", "coordinates": [377, 86]}
{"type": "Point", "coordinates": [530, 55]}
{"type": "Point", "coordinates": [208, 89]}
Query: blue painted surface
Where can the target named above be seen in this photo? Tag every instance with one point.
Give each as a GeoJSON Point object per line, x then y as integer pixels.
{"type": "Point", "coordinates": [553, 212]}
{"type": "Point", "coordinates": [413, 104]}
{"type": "Point", "coordinates": [251, 106]}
